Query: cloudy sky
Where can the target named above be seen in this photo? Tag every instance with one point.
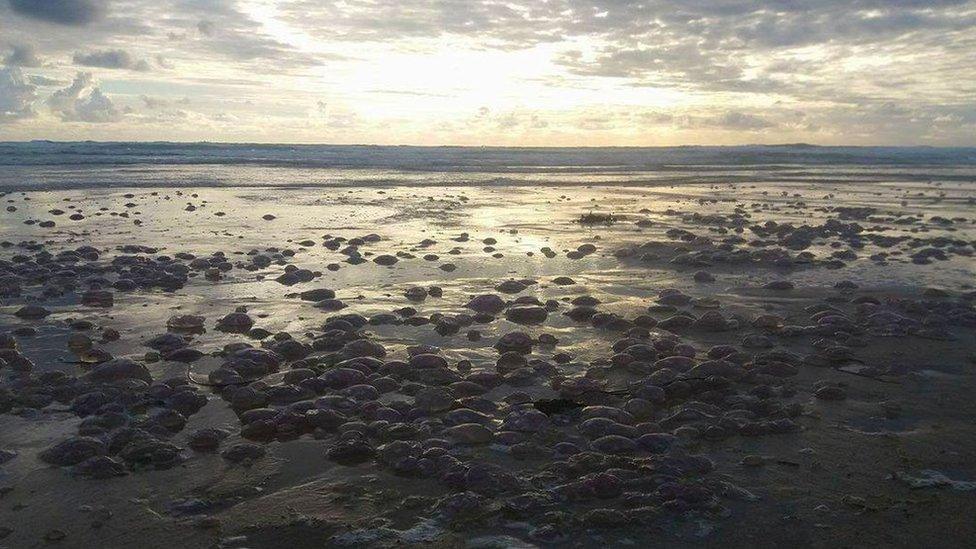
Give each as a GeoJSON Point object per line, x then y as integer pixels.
{"type": "Point", "coordinates": [487, 72]}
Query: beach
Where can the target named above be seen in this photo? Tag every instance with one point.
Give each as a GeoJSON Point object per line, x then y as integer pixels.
{"type": "Point", "coordinates": [746, 347]}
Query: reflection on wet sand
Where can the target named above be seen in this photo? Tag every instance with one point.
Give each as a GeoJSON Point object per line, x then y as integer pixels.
{"type": "Point", "coordinates": [739, 364]}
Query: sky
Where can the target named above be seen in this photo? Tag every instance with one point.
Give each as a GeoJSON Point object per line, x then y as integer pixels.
{"type": "Point", "coordinates": [487, 72]}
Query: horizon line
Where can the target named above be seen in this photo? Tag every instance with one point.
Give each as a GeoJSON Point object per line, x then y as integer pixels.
{"type": "Point", "coordinates": [484, 146]}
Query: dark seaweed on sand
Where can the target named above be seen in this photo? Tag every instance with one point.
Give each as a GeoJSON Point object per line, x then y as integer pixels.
{"type": "Point", "coordinates": [597, 218]}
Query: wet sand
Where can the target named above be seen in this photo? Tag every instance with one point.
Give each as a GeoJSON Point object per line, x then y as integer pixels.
{"type": "Point", "coordinates": [722, 365]}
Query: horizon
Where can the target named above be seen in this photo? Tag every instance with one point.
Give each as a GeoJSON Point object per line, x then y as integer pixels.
{"type": "Point", "coordinates": [485, 146]}
{"type": "Point", "coordinates": [563, 73]}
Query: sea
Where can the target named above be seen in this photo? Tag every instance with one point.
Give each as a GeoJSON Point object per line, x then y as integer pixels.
{"type": "Point", "coordinates": [52, 165]}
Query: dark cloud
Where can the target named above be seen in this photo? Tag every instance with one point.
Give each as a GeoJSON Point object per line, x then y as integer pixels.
{"type": "Point", "coordinates": [111, 59]}
{"type": "Point", "coordinates": [62, 12]}
{"type": "Point", "coordinates": [206, 28]}
{"type": "Point", "coordinates": [22, 55]}
{"type": "Point", "coordinates": [201, 30]}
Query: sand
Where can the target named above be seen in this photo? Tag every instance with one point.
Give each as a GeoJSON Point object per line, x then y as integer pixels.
{"type": "Point", "coordinates": [853, 354]}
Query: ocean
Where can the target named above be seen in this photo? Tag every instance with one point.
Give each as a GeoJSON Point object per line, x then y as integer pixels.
{"type": "Point", "coordinates": [47, 165]}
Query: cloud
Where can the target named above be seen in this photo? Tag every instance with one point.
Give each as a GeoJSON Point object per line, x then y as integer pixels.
{"type": "Point", "coordinates": [731, 24]}
{"type": "Point", "coordinates": [726, 45]}
{"type": "Point", "coordinates": [17, 95]}
{"type": "Point", "coordinates": [341, 119]}
{"type": "Point", "coordinates": [153, 103]}
{"type": "Point", "coordinates": [736, 120]}
{"type": "Point", "coordinates": [655, 118]}
{"type": "Point", "coordinates": [62, 12]}
{"type": "Point", "coordinates": [595, 123]}
{"type": "Point", "coordinates": [736, 46]}
{"type": "Point", "coordinates": [695, 119]}
{"type": "Point", "coordinates": [222, 28]}
{"type": "Point", "coordinates": [23, 55]}
{"type": "Point", "coordinates": [592, 70]}
{"type": "Point", "coordinates": [40, 80]}
{"type": "Point", "coordinates": [83, 101]}
{"type": "Point", "coordinates": [111, 59]}
{"type": "Point", "coordinates": [509, 121]}
{"type": "Point", "coordinates": [513, 120]}
{"type": "Point", "coordinates": [206, 28]}
{"type": "Point", "coordinates": [499, 24]}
